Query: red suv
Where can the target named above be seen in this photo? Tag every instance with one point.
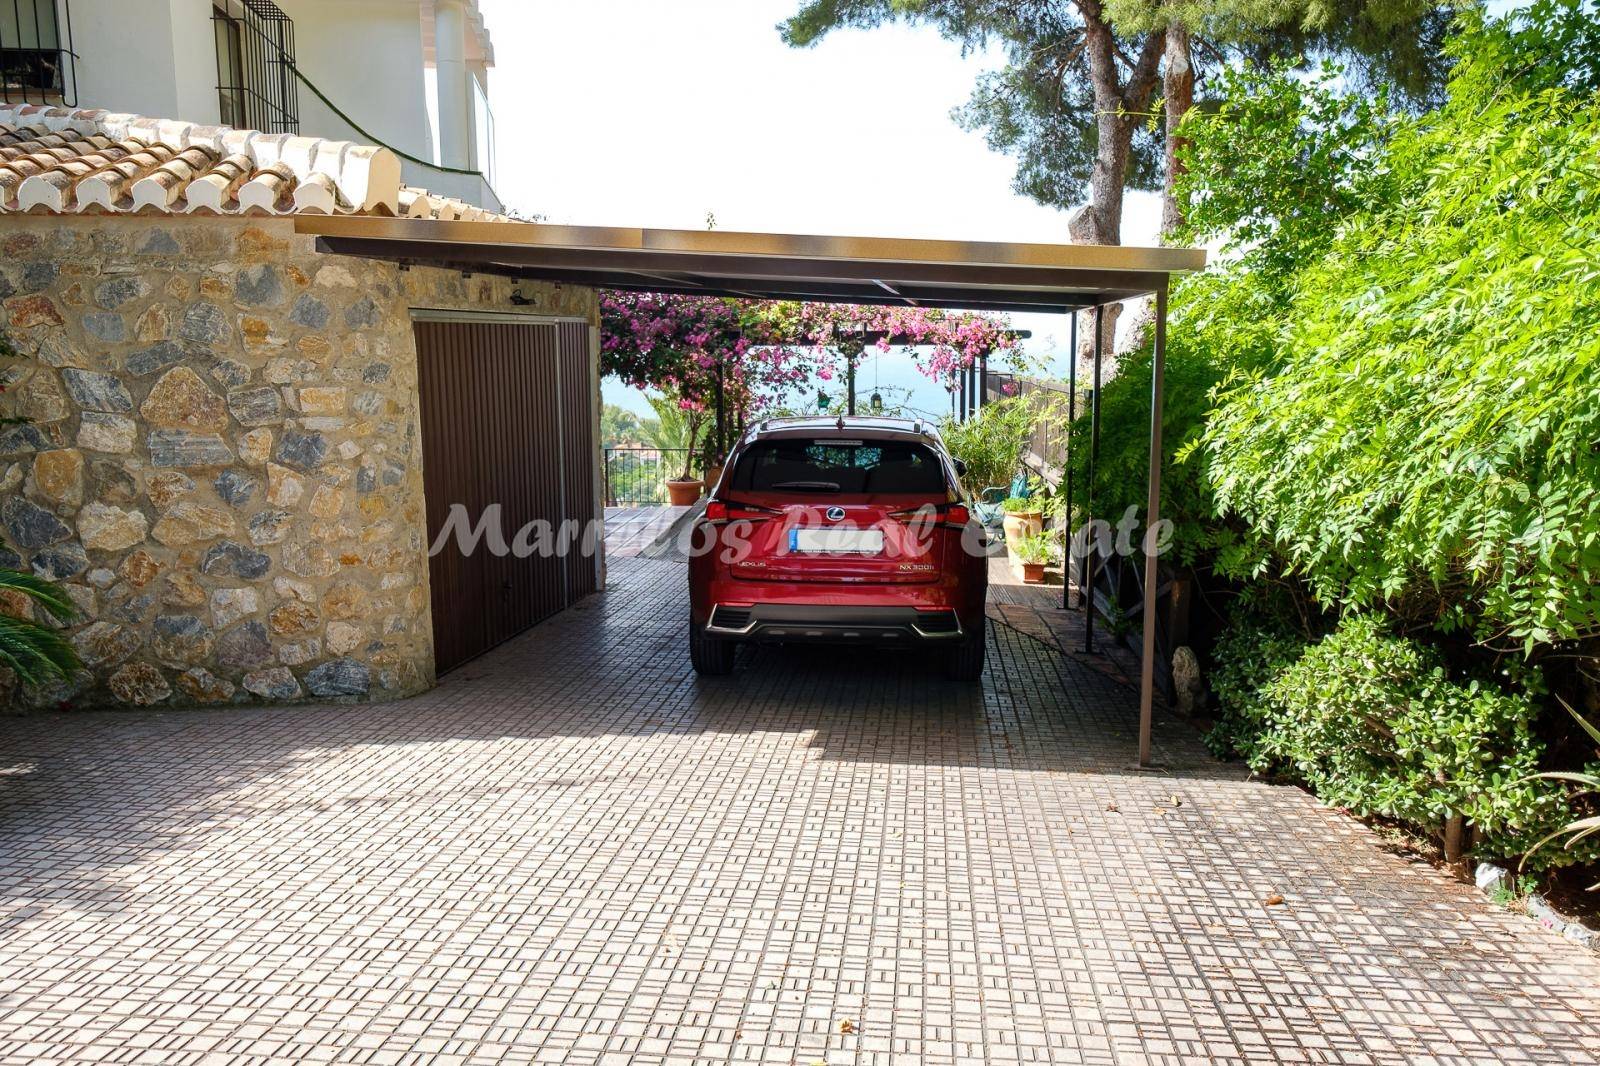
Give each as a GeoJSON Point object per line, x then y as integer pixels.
{"type": "Point", "coordinates": [851, 531]}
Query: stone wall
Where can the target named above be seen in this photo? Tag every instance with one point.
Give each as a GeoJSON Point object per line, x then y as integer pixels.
{"type": "Point", "coordinates": [221, 461]}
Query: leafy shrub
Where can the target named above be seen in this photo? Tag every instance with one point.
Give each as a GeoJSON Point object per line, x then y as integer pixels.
{"type": "Point", "coordinates": [1424, 440]}
{"type": "Point", "coordinates": [1122, 467]}
{"type": "Point", "coordinates": [1248, 656]}
{"type": "Point", "coordinates": [990, 443]}
{"type": "Point", "coordinates": [1036, 548]}
{"type": "Point", "coordinates": [1373, 722]}
{"type": "Point", "coordinates": [1022, 505]}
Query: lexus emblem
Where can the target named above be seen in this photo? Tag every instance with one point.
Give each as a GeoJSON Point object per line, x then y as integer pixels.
{"type": "Point", "coordinates": [835, 514]}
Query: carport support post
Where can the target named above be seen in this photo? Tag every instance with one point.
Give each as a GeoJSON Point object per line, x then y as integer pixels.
{"type": "Point", "coordinates": [722, 425]}
{"type": "Point", "coordinates": [1088, 511]}
{"type": "Point", "coordinates": [1147, 661]}
{"type": "Point", "coordinates": [1066, 458]}
{"type": "Point", "coordinates": [983, 380]}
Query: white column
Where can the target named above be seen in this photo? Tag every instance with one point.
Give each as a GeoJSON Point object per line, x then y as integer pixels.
{"type": "Point", "coordinates": [455, 99]}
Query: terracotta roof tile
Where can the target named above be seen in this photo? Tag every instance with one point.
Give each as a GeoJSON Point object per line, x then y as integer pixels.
{"type": "Point", "coordinates": [66, 161]}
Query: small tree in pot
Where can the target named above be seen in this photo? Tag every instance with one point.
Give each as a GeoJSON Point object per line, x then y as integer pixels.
{"type": "Point", "coordinates": [678, 428]}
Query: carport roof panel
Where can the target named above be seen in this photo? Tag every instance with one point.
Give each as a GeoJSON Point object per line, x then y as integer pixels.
{"type": "Point", "coordinates": [879, 270]}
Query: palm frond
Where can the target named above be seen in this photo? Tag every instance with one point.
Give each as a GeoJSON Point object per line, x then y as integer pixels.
{"type": "Point", "coordinates": [1582, 828]}
{"type": "Point", "coordinates": [1588, 727]}
{"type": "Point", "coordinates": [35, 652]}
{"type": "Point", "coordinates": [1586, 780]}
{"type": "Point", "coordinates": [45, 593]}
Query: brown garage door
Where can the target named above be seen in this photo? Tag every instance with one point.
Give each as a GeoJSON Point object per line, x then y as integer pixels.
{"type": "Point", "coordinates": [507, 419]}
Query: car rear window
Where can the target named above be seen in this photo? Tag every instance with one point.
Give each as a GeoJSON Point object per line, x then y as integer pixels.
{"type": "Point", "coordinates": [845, 467]}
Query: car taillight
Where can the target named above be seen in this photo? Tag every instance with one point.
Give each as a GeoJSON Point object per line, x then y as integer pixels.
{"type": "Point", "coordinates": [949, 514]}
{"type": "Point", "coordinates": [733, 510]}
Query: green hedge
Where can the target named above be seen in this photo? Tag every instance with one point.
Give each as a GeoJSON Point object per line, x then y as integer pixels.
{"type": "Point", "coordinates": [1374, 722]}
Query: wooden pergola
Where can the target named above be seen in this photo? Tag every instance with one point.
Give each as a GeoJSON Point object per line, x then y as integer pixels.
{"type": "Point", "coordinates": [968, 275]}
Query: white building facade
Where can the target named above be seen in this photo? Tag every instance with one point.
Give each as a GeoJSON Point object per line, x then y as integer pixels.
{"type": "Point", "coordinates": [410, 75]}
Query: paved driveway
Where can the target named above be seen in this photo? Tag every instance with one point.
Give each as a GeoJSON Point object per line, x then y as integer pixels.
{"type": "Point", "coordinates": [574, 852]}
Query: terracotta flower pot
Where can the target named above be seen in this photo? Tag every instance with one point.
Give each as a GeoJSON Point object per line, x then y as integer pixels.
{"type": "Point", "coordinates": [1021, 525]}
{"type": "Point", "coordinates": [1033, 573]}
{"type": "Point", "coordinates": [683, 492]}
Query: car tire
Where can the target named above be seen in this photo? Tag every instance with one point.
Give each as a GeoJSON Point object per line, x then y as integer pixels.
{"type": "Point", "coordinates": [967, 662]}
{"type": "Point", "coordinates": [711, 657]}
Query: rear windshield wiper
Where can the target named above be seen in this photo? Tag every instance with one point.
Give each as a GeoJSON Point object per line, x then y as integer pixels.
{"type": "Point", "coordinates": [809, 486]}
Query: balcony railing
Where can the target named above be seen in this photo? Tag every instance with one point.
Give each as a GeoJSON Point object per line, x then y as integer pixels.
{"type": "Point", "coordinates": [483, 147]}
{"type": "Point", "coordinates": [638, 476]}
{"type": "Point", "coordinates": [36, 53]}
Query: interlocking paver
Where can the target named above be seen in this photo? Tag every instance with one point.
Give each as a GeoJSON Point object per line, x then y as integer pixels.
{"type": "Point", "coordinates": [574, 851]}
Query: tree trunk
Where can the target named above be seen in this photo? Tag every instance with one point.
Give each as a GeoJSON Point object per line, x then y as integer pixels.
{"type": "Point", "coordinates": [1454, 827]}
{"type": "Point", "coordinates": [1119, 107]}
{"type": "Point", "coordinates": [1102, 223]}
{"type": "Point", "coordinates": [1178, 98]}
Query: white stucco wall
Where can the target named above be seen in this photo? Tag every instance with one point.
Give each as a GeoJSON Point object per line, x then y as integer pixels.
{"type": "Point", "coordinates": [158, 58]}
{"type": "Point", "coordinates": [194, 60]}
{"type": "Point", "coordinates": [125, 56]}
{"type": "Point", "coordinates": [366, 55]}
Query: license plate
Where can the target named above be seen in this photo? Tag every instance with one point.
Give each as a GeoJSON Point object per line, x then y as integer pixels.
{"type": "Point", "coordinates": [837, 541]}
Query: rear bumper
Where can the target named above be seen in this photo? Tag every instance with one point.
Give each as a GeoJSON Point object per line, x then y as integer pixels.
{"type": "Point", "coordinates": [834, 624]}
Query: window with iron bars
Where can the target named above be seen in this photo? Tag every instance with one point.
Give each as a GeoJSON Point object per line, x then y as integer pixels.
{"type": "Point", "coordinates": [256, 85]}
{"type": "Point", "coordinates": [36, 53]}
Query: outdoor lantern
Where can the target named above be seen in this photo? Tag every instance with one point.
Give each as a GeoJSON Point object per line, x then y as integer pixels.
{"type": "Point", "coordinates": [877, 403]}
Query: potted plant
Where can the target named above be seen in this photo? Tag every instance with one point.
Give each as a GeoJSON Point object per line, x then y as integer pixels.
{"type": "Point", "coordinates": [676, 431]}
{"type": "Point", "coordinates": [1034, 552]}
{"type": "Point", "coordinates": [686, 488]}
{"type": "Point", "coordinates": [1024, 517]}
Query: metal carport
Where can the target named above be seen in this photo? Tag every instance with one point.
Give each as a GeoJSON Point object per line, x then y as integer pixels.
{"type": "Point", "coordinates": [974, 275]}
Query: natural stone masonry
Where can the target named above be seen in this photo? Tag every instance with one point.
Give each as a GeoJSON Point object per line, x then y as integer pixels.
{"type": "Point", "coordinates": [222, 463]}
{"type": "Point", "coordinates": [574, 851]}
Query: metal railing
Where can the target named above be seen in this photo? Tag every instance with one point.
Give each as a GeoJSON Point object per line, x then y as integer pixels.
{"type": "Point", "coordinates": [484, 139]}
{"type": "Point", "coordinates": [256, 85]}
{"type": "Point", "coordinates": [638, 476]}
{"type": "Point", "coordinates": [36, 56]}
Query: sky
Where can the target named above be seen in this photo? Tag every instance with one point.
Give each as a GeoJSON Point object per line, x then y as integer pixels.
{"type": "Point", "coordinates": [648, 113]}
